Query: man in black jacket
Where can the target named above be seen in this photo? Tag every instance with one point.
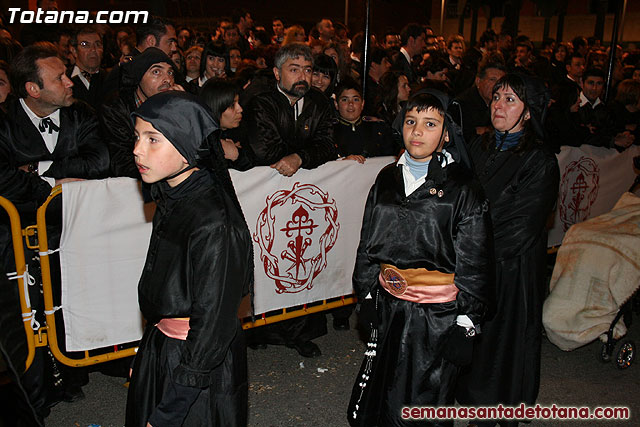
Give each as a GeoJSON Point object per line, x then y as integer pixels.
{"type": "Point", "coordinates": [475, 101]}
{"type": "Point", "coordinates": [290, 127]}
{"type": "Point", "coordinates": [148, 73]}
{"type": "Point", "coordinates": [46, 138]}
{"type": "Point", "coordinates": [86, 75]}
{"type": "Point", "coordinates": [412, 37]}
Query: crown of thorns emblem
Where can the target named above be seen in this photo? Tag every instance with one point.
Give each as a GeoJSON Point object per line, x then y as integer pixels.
{"type": "Point", "coordinates": [294, 269]}
{"type": "Point", "coordinates": [578, 191]}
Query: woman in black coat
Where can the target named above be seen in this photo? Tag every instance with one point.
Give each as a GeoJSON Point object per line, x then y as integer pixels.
{"type": "Point", "coordinates": [222, 97]}
{"type": "Point", "coordinates": [520, 177]}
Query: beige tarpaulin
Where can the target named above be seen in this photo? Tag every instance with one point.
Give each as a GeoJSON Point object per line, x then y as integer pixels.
{"type": "Point", "coordinates": [596, 271]}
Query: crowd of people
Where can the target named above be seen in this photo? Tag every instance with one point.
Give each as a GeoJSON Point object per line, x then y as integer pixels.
{"type": "Point", "coordinates": [450, 267]}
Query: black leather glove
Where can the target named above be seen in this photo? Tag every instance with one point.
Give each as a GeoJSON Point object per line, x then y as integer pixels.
{"type": "Point", "coordinates": [367, 312]}
{"type": "Point", "coordinates": [458, 348]}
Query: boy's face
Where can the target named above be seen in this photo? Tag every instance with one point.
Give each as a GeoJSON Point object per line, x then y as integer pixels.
{"type": "Point", "coordinates": [350, 105]}
{"type": "Point", "coordinates": [156, 157]}
{"type": "Point", "coordinates": [422, 133]}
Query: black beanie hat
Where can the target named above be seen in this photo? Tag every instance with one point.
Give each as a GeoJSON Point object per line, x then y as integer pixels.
{"type": "Point", "coordinates": [133, 70]}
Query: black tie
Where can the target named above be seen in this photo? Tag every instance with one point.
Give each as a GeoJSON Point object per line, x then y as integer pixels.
{"type": "Point", "coordinates": [86, 75]}
{"type": "Point", "coordinates": [48, 123]}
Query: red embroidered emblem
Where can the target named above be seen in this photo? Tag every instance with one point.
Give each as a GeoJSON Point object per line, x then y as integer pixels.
{"type": "Point", "coordinates": [578, 191]}
{"type": "Point", "coordinates": [396, 284]}
{"type": "Point", "coordinates": [291, 224]}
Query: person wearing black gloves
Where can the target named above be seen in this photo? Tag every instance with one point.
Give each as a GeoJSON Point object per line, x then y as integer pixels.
{"type": "Point", "coordinates": [423, 273]}
{"type": "Point", "coordinates": [191, 366]}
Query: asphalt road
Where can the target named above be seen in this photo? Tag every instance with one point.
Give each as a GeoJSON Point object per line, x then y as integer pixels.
{"type": "Point", "coordinates": [288, 390]}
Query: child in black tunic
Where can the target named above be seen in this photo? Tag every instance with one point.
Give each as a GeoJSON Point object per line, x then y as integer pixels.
{"type": "Point", "coordinates": [422, 273]}
{"type": "Point", "coordinates": [191, 365]}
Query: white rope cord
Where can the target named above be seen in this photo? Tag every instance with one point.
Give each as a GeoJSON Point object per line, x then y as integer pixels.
{"type": "Point", "coordinates": [49, 252]}
{"type": "Point", "coordinates": [27, 280]}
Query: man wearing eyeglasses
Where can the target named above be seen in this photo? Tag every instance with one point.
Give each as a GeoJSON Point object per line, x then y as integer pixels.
{"type": "Point", "coordinates": [86, 75]}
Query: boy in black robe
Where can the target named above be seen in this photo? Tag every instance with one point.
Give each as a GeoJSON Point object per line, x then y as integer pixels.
{"type": "Point", "coordinates": [423, 271]}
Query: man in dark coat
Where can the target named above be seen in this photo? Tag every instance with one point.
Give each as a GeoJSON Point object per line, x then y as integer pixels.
{"type": "Point", "coordinates": [46, 138]}
{"type": "Point", "coordinates": [145, 75]}
{"type": "Point", "coordinates": [86, 75]}
{"type": "Point", "coordinates": [412, 38]}
{"type": "Point", "coordinates": [595, 118]}
{"type": "Point", "coordinates": [474, 102]}
{"type": "Point", "coordinates": [159, 33]}
{"type": "Point", "coordinates": [290, 127]}
{"type": "Point", "coordinates": [380, 64]}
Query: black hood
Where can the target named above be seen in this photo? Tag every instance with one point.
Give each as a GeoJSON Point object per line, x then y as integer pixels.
{"type": "Point", "coordinates": [182, 119]}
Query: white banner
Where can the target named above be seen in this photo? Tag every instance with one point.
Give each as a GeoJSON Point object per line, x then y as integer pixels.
{"type": "Point", "coordinates": [305, 229]}
{"type": "Point", "coordinates": [592, 179]}
{"type": "Point", "coordinates": [103, 246]}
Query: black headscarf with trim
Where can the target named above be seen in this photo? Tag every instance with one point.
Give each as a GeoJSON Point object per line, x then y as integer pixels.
{"type": "Point", "coordinates": [188, 124]}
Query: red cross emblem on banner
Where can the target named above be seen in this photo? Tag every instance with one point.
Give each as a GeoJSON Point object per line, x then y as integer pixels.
{"type": "Point", "coordinates": [578, 191]}
{"type": "Point", "coordinates": [294, 232]}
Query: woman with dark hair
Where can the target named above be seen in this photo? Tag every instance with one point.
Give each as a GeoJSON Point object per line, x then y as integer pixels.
{"type": "Point", "coordinates": [336, 53]}
{"type": "Point", "coordinates": [395, 90]}
{"type": "Point", "coordinates": [214, 63]}
{"type": "Point", "coordinates": [559, 59]}
{"type": "Point", "coordinates": [221, 96]}
{"type": "Point", "coordinates": [235, 60]}
{"type": "Point", "coordinates": [325, 73]}
{"type": "Point", "coordinates": [520, 177]}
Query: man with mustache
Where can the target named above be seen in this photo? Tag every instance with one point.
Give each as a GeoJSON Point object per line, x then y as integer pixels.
{"type": "Point", "coordinates": [146, 74]}
{"type": "Point", "coordinates": [86, 75]}
{"type": "Point", "coordinates": [290, 127]}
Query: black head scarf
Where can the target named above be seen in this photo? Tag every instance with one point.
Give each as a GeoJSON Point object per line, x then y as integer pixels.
{"type": "Point", "coordinates": [537, 98]}
{"type": "Point", "coordinates": [183, 120]}
{"type": "Point", "coordinates": [189, 126]}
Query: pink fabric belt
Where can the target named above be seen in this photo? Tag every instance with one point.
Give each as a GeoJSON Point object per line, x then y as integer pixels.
{"type": "Point", "coordinates": [177, 327]}
{"type": "Point", "coordinates": [418, 285]}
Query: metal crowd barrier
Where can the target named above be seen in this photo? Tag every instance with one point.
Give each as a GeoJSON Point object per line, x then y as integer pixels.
{"type": "Point", "coordinates": [46, 335]}
{"type": "Point", "coordinates": [49, 331]}
{"type": "Point", "coordinates": [21, 275]}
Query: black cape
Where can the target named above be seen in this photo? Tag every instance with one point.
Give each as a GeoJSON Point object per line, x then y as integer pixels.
{"type": "Point", "coordinates": [522, 189]}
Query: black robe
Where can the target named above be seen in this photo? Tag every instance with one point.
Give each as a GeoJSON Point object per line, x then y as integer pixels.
{"type": "Point", "coordinates": [451, 234]}
{"type": "Point", "coordinates": [79, 153]}
{"type": "Point", "coordinates": [522, 188]}
{"type": "Point", "coordinates": [367, 137]}
{"type": "Point", "coordinates": [196, 267]}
